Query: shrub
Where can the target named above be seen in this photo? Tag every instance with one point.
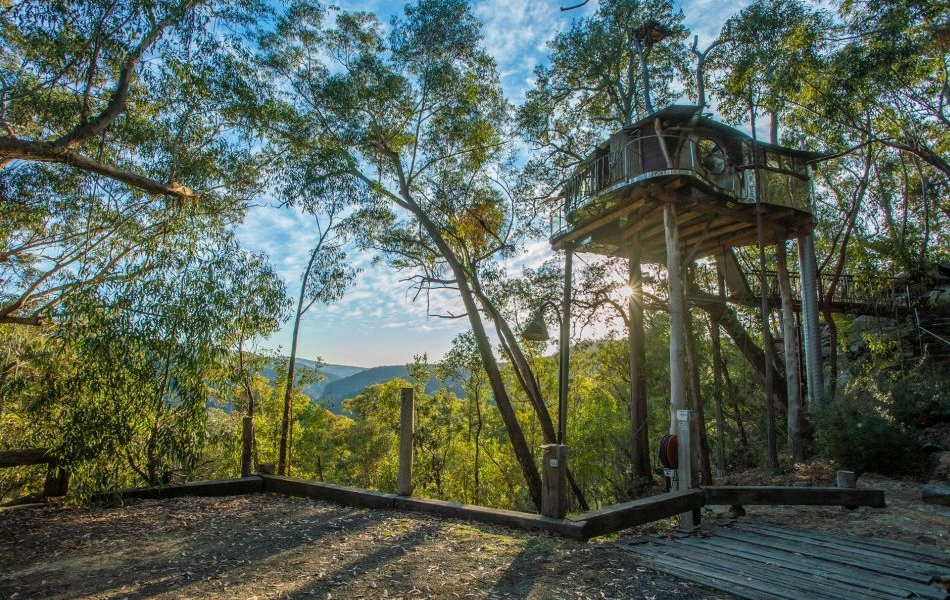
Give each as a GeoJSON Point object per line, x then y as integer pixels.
{"type": "Point", "coordinates": [921, 398]}
{"type": "Point", "coordinates": [859, 433]}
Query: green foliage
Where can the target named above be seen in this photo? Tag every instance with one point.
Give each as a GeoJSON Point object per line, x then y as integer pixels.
{"type": "Point", "coordinates": [859, 434]}
{"type": "Point", "coordinates": [921, 397]}
{"type": "Point", "coordinates": [767, 47]}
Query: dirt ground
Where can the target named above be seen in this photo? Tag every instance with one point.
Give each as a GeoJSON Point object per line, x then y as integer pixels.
{"type": "Point", "coordinates": [264, 546]}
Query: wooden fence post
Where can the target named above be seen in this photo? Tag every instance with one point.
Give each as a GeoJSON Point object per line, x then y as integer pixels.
{"type": "Point", "coordinates": [247, 445]}
{"type": "Point", "coordinates": [554, 480]}
{"type": "Point", "coordinates": [687, 473]}
{"type": "Point", "coordinates": [407, 426]}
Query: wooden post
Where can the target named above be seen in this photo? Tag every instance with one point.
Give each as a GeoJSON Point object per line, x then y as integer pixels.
{"type": "Point", "coordinates": [554, 480]}
{"type": "Point", "coordinates": [677, 314]}
{"type": "Point", "coordinates": [687, 475]}
{"type": "Point", "coordinates": [247, 444]}
{"type": "Point", "coordinates": [564, 350]}
{"type": "Point", "coordinates": [718, 379]}
{"type": "Point", "coordinates": [793, 374]}
{"type": "Point", "coordinates": [407, 427]}
{"type": "Point", "coordinates": [57, 482]}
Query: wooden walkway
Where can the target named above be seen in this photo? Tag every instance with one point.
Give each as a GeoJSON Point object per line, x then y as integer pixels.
{"type": "Point", "coordinates": [764, 562]}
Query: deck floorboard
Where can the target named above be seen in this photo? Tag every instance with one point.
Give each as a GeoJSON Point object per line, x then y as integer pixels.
{"type": "Point", "coordinates": [756, 561]}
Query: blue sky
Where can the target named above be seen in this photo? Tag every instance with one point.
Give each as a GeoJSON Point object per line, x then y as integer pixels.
{"type": "Point", "coordinates": [378, 322]}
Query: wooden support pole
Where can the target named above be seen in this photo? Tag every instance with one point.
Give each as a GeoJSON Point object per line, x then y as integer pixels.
{"type": "Point", "coordinates": [718, 378]}
{"type": "Point", "coordinates": [565, 350]}
{"type": "Point", "coordinates": [407, 428]}
{"type": "Point", "coordinates": [677, 315]}
{"type": "Point", "coordinates": [679, 416]}
{"type": "Point", "coordinates": [793, 374]}
{"type": "Point", "coordinates": [554, 480]}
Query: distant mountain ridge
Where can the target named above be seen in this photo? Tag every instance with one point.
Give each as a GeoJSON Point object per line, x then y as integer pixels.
{"type": "Point", "coordinates": [341, 382]}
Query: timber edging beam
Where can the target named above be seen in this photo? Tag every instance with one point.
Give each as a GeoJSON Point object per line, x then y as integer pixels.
{"type": "Point", "coordinates": [802, 496]}
{"type": "Point", "coordinates": [638, 512]}
{"type": "Point", "coordinates": [215, 487]}
{"type": "Point", "coordinates": [26, 457]}
{"type": "Point", "coordinates": [582, 527]}
{"type": "Point", "coordinates": [349, 496]}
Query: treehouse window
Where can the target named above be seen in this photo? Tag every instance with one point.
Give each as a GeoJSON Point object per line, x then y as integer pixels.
{"type": "Point", "coordinates": [711, 156]}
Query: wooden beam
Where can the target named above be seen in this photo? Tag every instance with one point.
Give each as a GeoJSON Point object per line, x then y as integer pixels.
{"type": "Point", "coordinates": [644, 510]}
{"type": "Point", "coordinates": [341, 494]}
{"type": "Point", "coordinates": [581, 230]}
{"type": "Point", "coordinates": [639, 221]}
{"type": "Point", "coordinates": [494, 516]}
{"type": "Point", "coordinates": [348, 496]}
{"type": "Point", "coordinates": [25, 457]}
{"type": "Point", "coordinates": [216, 487]}
{"type": "Point", "coordinates": [806, 496]}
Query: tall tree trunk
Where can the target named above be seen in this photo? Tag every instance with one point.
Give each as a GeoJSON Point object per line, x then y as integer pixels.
{"type": "Point", "coordinates": [247, 423]}
{"type": "Point", "coordinates": [696, 396]}
{"type": "Point", "coordinates": [502, 400]}
{"type": "Point", "coordinates": [282, 465]}
{"type": "Point", "coordinates": [793, 374]}
{"type": "Point", "coordinates": [642, 476]}
{"type": "Point", "coordinates": [772, 446]}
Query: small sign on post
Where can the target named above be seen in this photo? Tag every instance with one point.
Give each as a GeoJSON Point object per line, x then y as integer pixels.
{"type": "Point", "coordinates": [407, 430]}
{"type": "Point", "coordinates": [554, 480]}
{"type": "Point", "coordinates": [687, 476]}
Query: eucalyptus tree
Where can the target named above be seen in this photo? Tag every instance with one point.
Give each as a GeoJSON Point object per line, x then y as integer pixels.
{"type": "Point", "coordinates": [115, 126]}
{"type": "Point", "coordinates": [146, 355]}
{"type": "Point", "coordinates": [305, 185]}
{"type": "Point", "coordinates": [81, 86]}
{"type": "Point", "coordinates": [416, 115]}
{"type": "Point", "coordinates": [887, 78]}
{"type": "Point", "coordinates": [767, 49]}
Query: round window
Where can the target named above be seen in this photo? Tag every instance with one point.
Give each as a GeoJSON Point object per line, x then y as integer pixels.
{"type": "Point", "coordinates": [711, 156]}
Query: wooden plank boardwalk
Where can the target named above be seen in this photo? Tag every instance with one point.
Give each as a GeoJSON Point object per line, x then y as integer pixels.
{"type": "Point", "coordinates": [762, 562]}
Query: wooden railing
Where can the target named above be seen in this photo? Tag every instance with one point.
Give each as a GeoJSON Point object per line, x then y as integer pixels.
{"type": "Point", "coordinates": [858, 292]}
{"type": "Point", "coordinates": [626, 165]}
{"type": "Point", "coordinates": [57, 479]}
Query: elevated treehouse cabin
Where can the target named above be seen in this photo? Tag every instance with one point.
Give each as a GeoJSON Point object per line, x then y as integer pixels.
{"type": "Point", "coordinates": [714, 173]}
{"type": "Point", "coordinates": [675, 187]}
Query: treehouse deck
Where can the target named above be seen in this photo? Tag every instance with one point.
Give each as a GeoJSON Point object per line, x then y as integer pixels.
{"type": "Point", "coordinates": [717, 177]}
{"type": "Point", "coordinates": [758, 561]}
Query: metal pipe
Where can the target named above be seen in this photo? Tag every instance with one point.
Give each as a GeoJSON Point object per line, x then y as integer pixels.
{"type": "Point", "coordinates": [811, 331]}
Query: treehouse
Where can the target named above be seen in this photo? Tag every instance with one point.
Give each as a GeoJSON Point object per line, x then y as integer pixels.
{"type": "Point", "coordinates": [713, 173]}
{"type": "Point", "coordinates": [672, 188]}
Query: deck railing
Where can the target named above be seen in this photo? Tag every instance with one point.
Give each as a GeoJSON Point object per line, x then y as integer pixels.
{"type": "Point", "coordinates": [857, 291]}
{"type": "Point", "coordinates": [586, 192]}
{"type": "Point", "coordinates": [598, 175]}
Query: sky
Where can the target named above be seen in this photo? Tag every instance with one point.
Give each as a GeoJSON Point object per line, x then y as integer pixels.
{"type": "Point", "coordinates": [379, 322]}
